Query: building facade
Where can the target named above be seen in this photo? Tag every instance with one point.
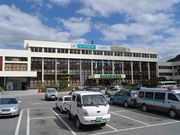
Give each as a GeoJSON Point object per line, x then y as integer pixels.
{"type": "Point", "coordinates": [41, 63]}
{"type": "Point", "coordinates": [170, 70]}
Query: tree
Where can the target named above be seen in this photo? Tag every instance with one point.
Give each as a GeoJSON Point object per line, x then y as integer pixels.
{"type": "Point", "coordinates": [64, 80]}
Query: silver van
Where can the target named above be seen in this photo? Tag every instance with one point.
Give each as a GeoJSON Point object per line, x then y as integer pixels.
{"type": "Point", "coordinates": [160, 99]}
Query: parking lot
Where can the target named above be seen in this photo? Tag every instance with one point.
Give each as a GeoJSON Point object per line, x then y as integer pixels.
{"type": "Point", "coordinates": [39, 117]}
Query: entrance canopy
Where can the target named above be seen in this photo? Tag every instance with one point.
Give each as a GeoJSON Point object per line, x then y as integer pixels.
{"type": "Point", "coordinates": [107, 76]}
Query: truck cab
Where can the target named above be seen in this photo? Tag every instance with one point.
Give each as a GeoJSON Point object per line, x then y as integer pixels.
{"type": "Point", "coordinates": [89, 108]}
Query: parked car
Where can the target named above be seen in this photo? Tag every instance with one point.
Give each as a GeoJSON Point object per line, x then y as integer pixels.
{"type": "Point", "coordinates": [9, 106]}
{"type": "Point", "coordinates": [94, 89]}
{"type": "Point", "coordinates": [88, 108]}
{"type": "Point", "coordinates": [61, 101]}
{"type": "Point", "coordinates": [51, 93]}
{"type": "Point", "coordinates": [125, 97]}
{"type": "Point", "coordinates": [112, 91]}
{"type": "Point", "coordinates": [160, 99]}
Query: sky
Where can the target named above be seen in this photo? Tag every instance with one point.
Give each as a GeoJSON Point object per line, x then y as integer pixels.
{"type": "Point", "coordinates": [151, 24]}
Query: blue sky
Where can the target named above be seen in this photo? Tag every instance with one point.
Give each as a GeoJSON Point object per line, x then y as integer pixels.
{"type": "Point", "coordinates": [153, 24]}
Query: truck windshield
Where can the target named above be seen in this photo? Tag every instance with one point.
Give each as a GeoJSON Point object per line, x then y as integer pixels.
{"type": "Point", "coordinates": [93, 100]}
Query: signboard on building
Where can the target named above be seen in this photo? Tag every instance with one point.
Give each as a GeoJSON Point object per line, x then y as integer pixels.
{"type": "Point", "coordinates": [102, 47]}
{"type": "Point", "coordinates": [119, 49]}
{"type": "Point", "coordinates": [110, 76]}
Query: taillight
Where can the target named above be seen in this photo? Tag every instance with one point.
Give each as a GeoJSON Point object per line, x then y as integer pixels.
{"type": "Point", "coordinates": [131, 99]}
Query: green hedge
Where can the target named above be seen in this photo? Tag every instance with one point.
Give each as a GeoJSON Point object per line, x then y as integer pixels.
{"type": "Point", "coordinates": [66, 89]}
{"type": "Point", "coordinates": [99, 86]}
{"type": "Point", "coordinates": [128, 87]}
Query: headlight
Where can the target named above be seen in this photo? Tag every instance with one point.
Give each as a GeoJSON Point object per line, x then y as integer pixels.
{"type": "Point", "coordinates": [15, 108]}
{"type": "Point", "coordinates": [85, 113]}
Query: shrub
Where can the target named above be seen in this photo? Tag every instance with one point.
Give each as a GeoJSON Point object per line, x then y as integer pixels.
{"type": "Point", "coordinates": [99, 86]}
{"type": "Point", "coordinates": [1, 89]}
{"type": "Point", "coordinates": [128, 87]}
{"type": "Point", "coordinates": [65, 89]}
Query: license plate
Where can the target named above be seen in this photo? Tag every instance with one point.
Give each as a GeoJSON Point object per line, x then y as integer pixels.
{"type": "Point", "coordinates": [99, 119]}
{"type": "Point", "coordinates": [53, 97]}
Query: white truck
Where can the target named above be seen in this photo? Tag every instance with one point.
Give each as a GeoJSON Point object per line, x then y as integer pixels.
{"type": "Point", "coordinates": [61, 101]}
{"type": "Point", "coordinates": [88, 108]}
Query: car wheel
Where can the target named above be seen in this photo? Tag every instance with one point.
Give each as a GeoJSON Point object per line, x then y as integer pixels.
{"type": "Point", "coordinates": [61, 110]}
{"type": "Point", "coordinates": [103, 124]}
{"type": "Point", "coordinates": [125, 104]}
{"type": "Point", "coordinates": [78, 123]}
{"type": "Point", "coordinates": [172, 113]}
{"type": "Point", "coordinates": [144, 108]}
{"type": "Point", "coordinates": [111, 102]}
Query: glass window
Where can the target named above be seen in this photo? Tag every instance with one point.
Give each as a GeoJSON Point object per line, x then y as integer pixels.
{"type": "Point", "coordinates": [149, 94]}
{"type": "Point", "coordinates": [121, 93]}
{"type": "Point", "coordinates": [159, 95]}
{"type": "Point", "coordinates": [73, 98]}
{"type": "Point", "coordinates": [67, 99]}
{"type": "Point", "coordinates": [172, 97]}
{"type": "Point", "coordinates": [93, 100]}
{"type": "Point", "coordinates": [78, 99]}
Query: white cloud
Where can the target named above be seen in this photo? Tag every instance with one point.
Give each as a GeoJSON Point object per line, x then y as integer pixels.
{"type": "Point", "coordinates": [17, 26]}
{"type": "Point", "coordinates": [48, 6]}
{"type": "Point", "coordinates": [77, 26]}
{"type": "Point", "coordinates": [60, 2]}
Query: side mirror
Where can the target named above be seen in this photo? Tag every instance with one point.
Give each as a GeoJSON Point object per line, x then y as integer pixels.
{"type": "Point", "coordinates": [79, 105]}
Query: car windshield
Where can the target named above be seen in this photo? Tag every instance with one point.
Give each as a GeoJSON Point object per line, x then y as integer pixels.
{"type": "Point", "coordinates": [135, 93]}
{"type": "Point", "coordinates": [8, 101]}
{"type": "Point", "coordinates": [93, 100]}
{"type": "Point", "coordinates": [67, 99]}
{"type": "Point", "coordinates": [178, 95]}
{"type": "Point", "coordinates": [51, 91]}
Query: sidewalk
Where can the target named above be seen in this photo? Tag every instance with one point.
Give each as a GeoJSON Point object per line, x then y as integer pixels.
{"type": "Point", "coordinates": [24, 93]}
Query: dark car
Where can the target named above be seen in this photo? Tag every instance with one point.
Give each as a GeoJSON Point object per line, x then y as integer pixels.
{"type": "Point", "coordinates": [125, 97]}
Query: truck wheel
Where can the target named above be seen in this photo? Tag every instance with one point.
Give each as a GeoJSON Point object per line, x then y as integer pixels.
{"type": "Point", "coordinates": [125, 104]}
{"type": "Point", "coordinates": [69, 115]}
{"type": "Point", "coordinates": [172, 113]}
{"type": "Point", "coordinates": [103, 124]}
{"type": "Point", "coordinates": [144, 108]}
{"type": "Point", "coordinates": [78, 123]}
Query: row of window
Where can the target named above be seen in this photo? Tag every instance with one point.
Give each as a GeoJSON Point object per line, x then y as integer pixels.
{"type": "Point", "coordinates": [15, 67]}
{"type": "Point", "coordinates": [157, 95]}
{"type": "Point", "coordinates": [95, 52]}
{"type": "Point", "coordinates": [16, 59]}
{"type": "Point", "coordinates": [165, 74]}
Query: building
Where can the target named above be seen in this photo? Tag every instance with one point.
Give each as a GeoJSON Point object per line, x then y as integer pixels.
{"type": "Point", "coordinates": [41, 62]}
{"type": "Point", "coordinates": [170, 69]}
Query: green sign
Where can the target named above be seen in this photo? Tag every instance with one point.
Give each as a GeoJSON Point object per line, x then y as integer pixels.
{"type": "Point", "coordinates": [111, 76]}
{"type": "Point", "coordinates": [86, 46]}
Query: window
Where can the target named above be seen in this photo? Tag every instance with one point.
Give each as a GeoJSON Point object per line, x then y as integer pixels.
{"type": "Point", "coordinates": [62, 50]}
{"type": "Point", "coordinates": [118, 53]}
{"type": "Point", "coordinates": [159, 95]}
{"type": "Point", "coordinates": [16, 59]}
{"type": "Point", "coordinates": [49, 50]}
{"type": "Point", "coordinates": [98, 52]}
{"type": "Point", "coordinates": [172, 97]}
{"type": "Point", "coordinates": [136, 55]}
{"type": "Point", "coordinates": [128, 54]}
{"type": "Point", "coordinates": [121, 93]}
{"type": "Point", "coordinates": [78, 99]}
{"type": "Point", "coordinates": [73, 98]}
{"type": "Point", "coordinates": [109, 53]}
{"type": "Point", "coordinates": [67, 99]}
{"type": "Point", "coordinates": [126, 94]}
{"type": "Point", "coordinates": [165, 67]}
{"type": "Point", "coordinates": [141, 94]}
{"type": "Point", "coordinates": [149, 94]}
{"type": "Point", "coordinates": [86, 51]}
{"type": "Point", "coordinates": [36, 49]}
{"type": "Point", "coordinates": [74, 51]}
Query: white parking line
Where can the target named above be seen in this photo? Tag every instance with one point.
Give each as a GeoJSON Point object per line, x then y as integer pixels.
{"type": "Point", "coordinates": [51, 117]}
{"type": "Point", "coordinates": [120, 111]}
{"type": "Point", "coordinates": [111, 127]}
{"type": "Point", "coordinates": [18, 123]}
{"type": "Point", "coordinates": [63, 122]}
{"type": "Point", "coordinates": [131, 119]}
{"type": "Point", "coordinates": [141, 127]}
{"type": "Point", "coordinates": [28, 123]}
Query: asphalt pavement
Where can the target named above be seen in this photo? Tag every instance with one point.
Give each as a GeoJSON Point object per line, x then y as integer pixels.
{"type": "Point", "coordinates": [40, 117]}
